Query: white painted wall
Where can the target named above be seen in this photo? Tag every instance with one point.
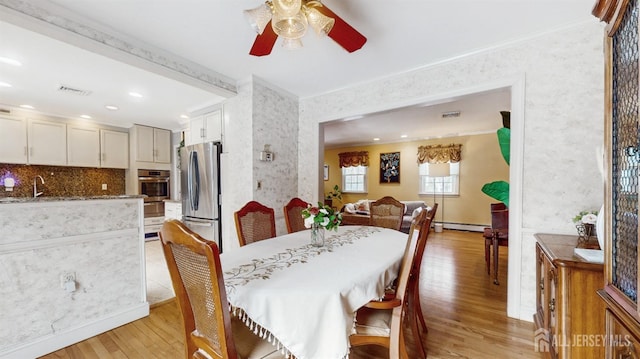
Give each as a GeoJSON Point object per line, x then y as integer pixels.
{"type": "Point", "coordinates": [558, 79]}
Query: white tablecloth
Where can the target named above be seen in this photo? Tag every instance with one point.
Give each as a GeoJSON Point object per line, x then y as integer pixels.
{"type": "Point", "coordinates": [305, 297]}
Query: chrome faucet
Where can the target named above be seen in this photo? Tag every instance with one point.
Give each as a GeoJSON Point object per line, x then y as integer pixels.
{"type": "Point", "coordinates": [35, 186]}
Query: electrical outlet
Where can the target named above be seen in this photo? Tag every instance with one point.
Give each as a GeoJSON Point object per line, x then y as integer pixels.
{"type": "Point", "coordinates": [104, 186]}
{"type": "Point", "coordinates": [66, 278]}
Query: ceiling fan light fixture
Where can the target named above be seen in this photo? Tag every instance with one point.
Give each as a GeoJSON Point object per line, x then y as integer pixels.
{"type": "Point", "coordinates": [293, 27]}
{"type": "Point", "coordinates": [287, 8]}
{"type": "Point", "coordinates": [259, 17]}
{"type": "Point", "coordinates": [291, 44]}
{"type": "Point", "coordinates": [321, 23]}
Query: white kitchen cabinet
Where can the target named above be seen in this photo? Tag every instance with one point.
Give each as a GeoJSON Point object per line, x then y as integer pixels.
{"type": "Point", "coordinates": [47, 142]}
{"type": "Point", "coordinates": [206, 128]}
{"type": "Point", "coordinates": [13, 140]}
{"type": "Point", "coordinates": [83, 146]}
{"type": "Point", "coordinates": [172, 210]}
{"type": "Point", "coordinates": [152, 144]}
{"type": "Point", "coordinates": [114, 149]}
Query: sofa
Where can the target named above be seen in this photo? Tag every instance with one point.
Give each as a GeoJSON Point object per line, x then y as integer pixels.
{"type": "Point", "coordinates": [358, 213]}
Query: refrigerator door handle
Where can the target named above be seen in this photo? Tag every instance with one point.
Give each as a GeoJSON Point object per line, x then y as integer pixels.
{"type": "Point", "coordinates": [193, 180]}
{"type": "Point", "coordinates": [198, 223]}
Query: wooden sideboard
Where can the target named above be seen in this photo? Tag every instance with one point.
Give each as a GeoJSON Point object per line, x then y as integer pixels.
{"type": "Point", "coordinates": [569, 316]}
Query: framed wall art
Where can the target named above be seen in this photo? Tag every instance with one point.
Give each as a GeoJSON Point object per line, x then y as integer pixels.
{"type": "Point", "coordinates": [390, 167]}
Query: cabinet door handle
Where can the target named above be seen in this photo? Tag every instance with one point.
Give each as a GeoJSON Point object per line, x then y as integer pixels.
{"type": "Point", "coordinates": [25, 151]}
{"type": "Point", "coordinates": [202, 133]}
{"type": "Point", "coordinates": [541, 283]}
{"type": "Point", "coordinates": [629, 353]}
{"type": "Point", "coordinates": [30, 151]}
{"type": "Point", "coordinates": [552, 304]}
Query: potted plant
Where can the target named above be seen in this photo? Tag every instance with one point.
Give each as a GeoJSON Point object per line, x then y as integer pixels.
{"type": "Point", "coordinates": [335, 193]}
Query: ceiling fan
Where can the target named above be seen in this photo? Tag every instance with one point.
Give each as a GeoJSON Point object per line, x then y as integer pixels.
{"type": "Point", "coordinates": [289, 19]}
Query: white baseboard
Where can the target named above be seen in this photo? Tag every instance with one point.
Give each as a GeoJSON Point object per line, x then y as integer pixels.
{"type": "Point", "coordinates": [52, 342]}
{"type": "Point", "coordinates": [464, 227]}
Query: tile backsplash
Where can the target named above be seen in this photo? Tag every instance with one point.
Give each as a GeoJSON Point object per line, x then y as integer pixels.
{"type": "Point", "coordinates": [62, 181]}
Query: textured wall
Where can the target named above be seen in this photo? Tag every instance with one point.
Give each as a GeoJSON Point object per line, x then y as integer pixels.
{"type": "Point", "coordinates": [563, 114]}
{"type": "Point", "coordinates": [258, 115]}
{"type": "Point", "coordinates": [39, 241]}
{"type": "Point", "coordinates": [275, 122]}
{"type": "Point", "coordinates": [62, 181]}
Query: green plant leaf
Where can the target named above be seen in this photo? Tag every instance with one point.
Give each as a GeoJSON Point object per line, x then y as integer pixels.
{"type": "Point", "coordinates": [504, 140]}
{"type": "Point", "coordinates": [497, 190]}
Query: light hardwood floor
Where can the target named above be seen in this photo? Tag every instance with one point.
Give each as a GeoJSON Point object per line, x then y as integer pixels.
{"type": "Point", "coordinates": [464, 310]}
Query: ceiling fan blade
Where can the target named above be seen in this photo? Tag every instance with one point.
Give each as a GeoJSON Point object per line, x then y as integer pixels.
{"type": "Point", "coordinates": [264, 42]}
{"type": "Point", "coordinates": [342, 33]}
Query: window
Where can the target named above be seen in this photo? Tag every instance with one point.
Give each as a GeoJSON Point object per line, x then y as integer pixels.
{"type": "Point", "coordinates": [354, 179]}
{"type": "Point", "coordinates": [441, 185]}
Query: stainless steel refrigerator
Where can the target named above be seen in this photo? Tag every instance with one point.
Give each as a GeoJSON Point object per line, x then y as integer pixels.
{"type": "Point", "coordinates": [200, 187]}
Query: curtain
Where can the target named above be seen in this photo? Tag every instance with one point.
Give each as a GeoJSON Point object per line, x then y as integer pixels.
{"type": "Point", "coordinates": [352, 159]}
{"type": "Point", "coordinates": [439, 153]}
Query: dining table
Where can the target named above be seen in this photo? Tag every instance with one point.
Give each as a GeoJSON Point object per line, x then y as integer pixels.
{"type": "Point", "coordinates": [303, 298]}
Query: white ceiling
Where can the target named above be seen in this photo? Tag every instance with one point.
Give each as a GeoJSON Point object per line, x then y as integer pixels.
{"type": "Point", "coordinates": [402, 35]}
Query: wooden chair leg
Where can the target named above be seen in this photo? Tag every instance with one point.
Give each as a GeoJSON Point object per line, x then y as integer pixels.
{"type": "Point", "coordinates": [496, 258]}
{"type": "Point", "coordinates": [487, 255]}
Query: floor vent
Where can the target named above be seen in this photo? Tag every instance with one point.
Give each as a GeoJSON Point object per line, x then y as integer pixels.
{"type": "Point", "coordinates": [74, 91]}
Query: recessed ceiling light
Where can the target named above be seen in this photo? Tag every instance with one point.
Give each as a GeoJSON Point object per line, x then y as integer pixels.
{"type": "Point", "coordinates": [184, 116]}
{"type": "Point", "coordinates": [111, 107]}
{"type": "Point", "coordinates": [403, 136]}
{"type": "Point", "coordinates": [29, 107]}
{"type": "Point", "coordinates": [8, 61]}
{"type": "Point", "coordinates": [87, 117]}
{"type": "Point", "coordinates": [135, 94]}
{"type": "Point", "coordinates": [376, 138]}
{"type": "Point", "coordinates": [5, 84]}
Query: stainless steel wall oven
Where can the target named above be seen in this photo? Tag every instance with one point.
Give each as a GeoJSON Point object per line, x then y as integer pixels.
{"type": "Point", "coordinates": [155, 185]}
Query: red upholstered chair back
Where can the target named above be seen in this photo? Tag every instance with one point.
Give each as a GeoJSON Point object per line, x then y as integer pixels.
{"type": "Point", "coordinates": [293, 214]}
{"type": "Point", "coordinates": [254, 222]}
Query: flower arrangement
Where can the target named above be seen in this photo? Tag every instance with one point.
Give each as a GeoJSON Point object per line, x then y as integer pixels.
{"type": "Point", "coordinates": [322, 215]}
{"type": "Point", "coordinates": [586, 217]}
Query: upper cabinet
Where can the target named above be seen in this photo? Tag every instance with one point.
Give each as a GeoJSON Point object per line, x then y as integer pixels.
{"type": "Point", "coordinates": [152, 144]}
{"type": "Point", "coordinates": [43, 142]}
{"type": "Point", "coordinates": [83, 146]}
{"type": "Point", "coordinates": [205, 128]}
{"type": "Point", "coordinates": [47, 142]}
{"type": "Point", "coordinates": [13, 140]}
{"type": "Point", "coordinates": [114, 149]}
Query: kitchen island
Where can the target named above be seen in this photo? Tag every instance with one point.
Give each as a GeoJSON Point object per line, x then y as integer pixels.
{"type": "Point", "coordinates": [70, 268]}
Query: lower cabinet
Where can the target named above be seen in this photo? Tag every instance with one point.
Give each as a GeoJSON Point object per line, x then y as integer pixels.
{"type": "Point", "coordinates": [568, 320]}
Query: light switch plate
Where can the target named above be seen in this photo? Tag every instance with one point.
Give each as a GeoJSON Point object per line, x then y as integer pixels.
{"type": "Point", "coordinates": [104, 186]}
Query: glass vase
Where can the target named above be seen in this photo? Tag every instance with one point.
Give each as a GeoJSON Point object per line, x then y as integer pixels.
{"type": "Point", "coordinates": [317, 235]}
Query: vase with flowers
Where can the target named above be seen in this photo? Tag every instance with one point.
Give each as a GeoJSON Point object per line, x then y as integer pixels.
{"type": "Point", "coordinates": [585, 224]}
{"type": "Point", "coordinates": [319, 218]}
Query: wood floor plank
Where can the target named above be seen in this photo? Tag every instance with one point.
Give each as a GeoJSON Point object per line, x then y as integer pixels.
{"type": "Point", "coordinates": [465, 312]}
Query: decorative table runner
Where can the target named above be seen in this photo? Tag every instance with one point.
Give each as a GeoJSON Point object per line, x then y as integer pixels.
{"type": "Point", "coordinates": [303, 298]}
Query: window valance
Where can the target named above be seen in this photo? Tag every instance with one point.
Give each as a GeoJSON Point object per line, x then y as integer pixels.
{"type": "Point", "coordinates": [439, 153]}
{"type": "Point", "coordinates": [352, 159]}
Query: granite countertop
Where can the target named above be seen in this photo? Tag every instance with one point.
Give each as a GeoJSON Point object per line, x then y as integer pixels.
{"type": "Point", "coordinates": [74, 198]}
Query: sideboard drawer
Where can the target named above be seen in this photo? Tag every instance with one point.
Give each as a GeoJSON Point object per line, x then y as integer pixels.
{"type": "Point", "coordinates": [621, 343]}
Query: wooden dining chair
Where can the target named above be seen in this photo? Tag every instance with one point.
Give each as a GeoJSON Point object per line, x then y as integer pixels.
{"type": "Point", "coordinates": [497, 235]}
{"type": "Point", "coordinates": [196, 276]}
{"type": "Point", "coordinates": [425, 229]}
{"type": "Point", "coordinates": [381, 322]}
{"type": "Point", "coordinates": [254, 222]}
{"type": "Point", "coordinates": [386, 212]}
{"type": "Point", "coordinates": [293, 215]}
